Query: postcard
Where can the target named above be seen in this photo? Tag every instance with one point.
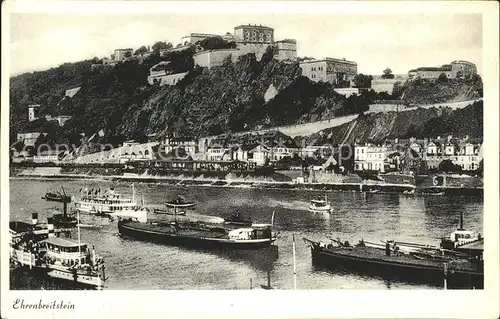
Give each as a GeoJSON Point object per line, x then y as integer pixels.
{"type": "Point", "coordinates": [249, 159]}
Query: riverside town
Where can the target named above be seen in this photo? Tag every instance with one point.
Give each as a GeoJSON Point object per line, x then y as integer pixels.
{"type": "Point", "coordinates": [235, 151]}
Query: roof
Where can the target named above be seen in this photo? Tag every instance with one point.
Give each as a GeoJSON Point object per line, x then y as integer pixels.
{"type": "Point", "coordinates": [331, 60]}
{"type": "Point", "coordinates": [62, 242]}
{"type": "Point", "coordinates": [241, 26]}
{"type": "Point", "coordinates": [425, 68]}
{"type": "Point", "coordinates": [476, 245]}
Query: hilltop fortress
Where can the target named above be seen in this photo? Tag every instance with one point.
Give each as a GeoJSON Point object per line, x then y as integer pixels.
{"type": "Point", "coordinates": [249, 38]}
{"type": "Point", "coordinates": [255, 39]}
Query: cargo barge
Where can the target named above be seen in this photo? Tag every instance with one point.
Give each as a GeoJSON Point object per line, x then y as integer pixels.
{"type": "Point", "coordinates": [199, 234]}
{"type": "Point", "coordinates": [435, 268]}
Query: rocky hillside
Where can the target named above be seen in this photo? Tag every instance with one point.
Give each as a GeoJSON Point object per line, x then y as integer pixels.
{"type": "Point", "coordinates": [119, 103]}
{"type": "Point", "coordinates": [429, 91]}
{"type": "Point", "coordinates": [418, 123]}
{"type": "Point", "coordinates": [234, 97]}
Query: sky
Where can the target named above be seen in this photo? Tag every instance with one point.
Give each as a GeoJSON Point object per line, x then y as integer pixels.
{"type": "Point", "coordinates": [400, 42]}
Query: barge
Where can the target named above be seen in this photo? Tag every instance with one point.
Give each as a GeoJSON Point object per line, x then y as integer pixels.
{"type": "Point", "coordinates": [432, 267]}
{"type": "Point", "coordinates": [199, 234]}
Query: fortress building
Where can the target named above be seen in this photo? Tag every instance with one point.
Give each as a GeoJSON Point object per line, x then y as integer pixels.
{"type": "Point", "coordinates": [254, 33]}
{"type": "Point", "coordinates": [335, 71]}
{"type": "Point", "coordinates": [455, 70]}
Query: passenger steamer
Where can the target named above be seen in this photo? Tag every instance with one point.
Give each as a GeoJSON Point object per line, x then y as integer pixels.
{"type": "Point", "coordinates": [111, 204]}
{"type": "Point", "coordinates": [41, 251]}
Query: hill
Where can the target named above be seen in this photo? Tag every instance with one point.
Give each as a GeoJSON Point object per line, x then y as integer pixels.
{"type": "Point", "coordinates": [429, 91]}
{"type": "Point", "coordinates": [420, 123]}
{"type": "Point", "coordinates": [246, 95]}
{"type": "Point", "coordinates": [233, 97]}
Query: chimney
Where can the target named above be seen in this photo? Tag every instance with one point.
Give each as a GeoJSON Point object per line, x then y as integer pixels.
{"type": "Point", "coordinates": [50, 226]}
{"type": "Point", "coordinates": [34, 218]}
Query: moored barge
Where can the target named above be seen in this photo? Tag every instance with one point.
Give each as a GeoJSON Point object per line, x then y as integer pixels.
{"type": "Point", "coordinates": [391, 263]}
{"type": "Point", "coordinates": [199, 234]}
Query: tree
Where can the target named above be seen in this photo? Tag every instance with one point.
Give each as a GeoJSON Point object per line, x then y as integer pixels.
{"type": "Point", "coordinates": [363, 81]}
{"type": "Point", "coordinates": [387, 74]}
{"type": "Point", "coordinates": [128, 54]}
{"type": "Point", "coordinates": [449, 166]}
{"type": "Point", "coordinates": [141, 50]}
{"type": "Point", "coordinates": [214, 43]}
{"type": "Point", "coordinates": [443, 78]}
{"type": "Point", "coordinates": [161, 46]}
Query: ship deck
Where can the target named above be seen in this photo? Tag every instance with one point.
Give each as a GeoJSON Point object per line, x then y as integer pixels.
{"type": "Point", "coordinates": [167, 229]}
{"type": "Point", "coordinates": [378, 255]}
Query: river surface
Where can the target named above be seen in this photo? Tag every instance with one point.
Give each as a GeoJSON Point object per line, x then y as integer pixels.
{"type": "Point", "coordinates": [133, 264]}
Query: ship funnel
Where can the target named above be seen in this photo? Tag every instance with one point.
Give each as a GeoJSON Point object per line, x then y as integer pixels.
{"type": "Point", "coordinates": [50, 226]}
{"type": "Point", "coordinates": [34, 218]}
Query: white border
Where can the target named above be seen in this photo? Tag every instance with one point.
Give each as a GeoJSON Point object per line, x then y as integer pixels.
{"type": "Point", "coordinates": [275, 304]}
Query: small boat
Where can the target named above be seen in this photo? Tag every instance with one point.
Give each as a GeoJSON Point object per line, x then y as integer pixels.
{"type": "Point", "coordinates": [237, 220]}
{"type": "Point", "coordinates": [65, 220]}
{"type": "Point", "coordinates": [42, 251]}
{"type": "Point", "coordinates": [320, 205]}
{"type": "Point", "coordinates": [460, 237]}
{"type": "Point", "coordinates": [374, 191]}
{"type": "Point", "coordinates": [57, 196]}
{"type": "Point", "coordinates": [180, 204]}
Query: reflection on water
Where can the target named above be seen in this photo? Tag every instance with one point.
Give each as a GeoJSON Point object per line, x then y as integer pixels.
{"type": "Point", "coordinates": [136, 264]}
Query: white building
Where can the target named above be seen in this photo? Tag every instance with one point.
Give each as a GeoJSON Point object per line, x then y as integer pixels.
{"type": "Point", "coordinates": [369, 157]}
{"type": "Point", "coordinates": [47, 157]}
{"type": "Point", "coordinates": [33, 112]}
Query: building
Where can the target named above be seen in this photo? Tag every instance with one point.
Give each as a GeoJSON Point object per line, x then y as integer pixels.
{"type": "Point", "coordinates": [33, 110]}
{"type": "Point", "coordinates": [193, 38]}
{"type": "Point", "coordinates": [369, 157]}
{"type": "Point", "coordinates": [334, 71]}
{"type": "Point", "coordinates": [48, 157]}
{"type": "Point", "coordinates": [189, 145]}
{"type": "Point", "coordinates": [286, 49]}
{"type": "Point", "coordinates": [212, 58]}
{"type": "Point", "coordinates": [347, 91]}
{"type": "Point", "coordinates": [386, 85]}
{"type": "Point", "coordinates": [72, 92]}
{"type": "Point", "coordinates": [465, 152]}
{"type": "Point", "coordinates": [62, 119]}
{"type": "Point", "coordinates": [455, 70]}
{"type": "Point", "coordinates": [122, 54]}
{"type": "Point", "coordinates": [163, 74]}
{"type": "Point", "coordinates": [254, 33]}
{"type": "Point", "coordinates": [28, 138]}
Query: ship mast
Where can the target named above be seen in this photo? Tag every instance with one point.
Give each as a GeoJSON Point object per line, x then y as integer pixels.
{"type": "Point", "coordinates": [294, 266]}
{"type": "Point", "coordinates": [79, 245]}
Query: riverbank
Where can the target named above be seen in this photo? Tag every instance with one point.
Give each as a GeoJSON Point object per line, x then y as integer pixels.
{"type": "Point", "coordinates": [247, 180]}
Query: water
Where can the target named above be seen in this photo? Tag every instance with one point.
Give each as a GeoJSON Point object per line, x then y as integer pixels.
{"type": "Point", "coordinates": [135, 264]}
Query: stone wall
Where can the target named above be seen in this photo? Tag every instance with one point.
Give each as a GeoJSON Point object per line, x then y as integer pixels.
{"type": "Point", "coordinates": [252, 47]}
{"type": "Point", "coordinates": [166, 79]}
{"type": "Point", "coordinates": [209, 59]}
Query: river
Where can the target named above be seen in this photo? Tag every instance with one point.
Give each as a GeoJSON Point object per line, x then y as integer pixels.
{"type": "Point", "coordinates": [133, 264]}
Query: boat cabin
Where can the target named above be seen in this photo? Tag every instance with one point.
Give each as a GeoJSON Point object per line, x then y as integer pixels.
{"type": "Point", "coordinates": [64, 251]}
{"type": "Point", "coordinates": [464, 236]}
{"type": "Point", "coordinates": [262, 232]}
